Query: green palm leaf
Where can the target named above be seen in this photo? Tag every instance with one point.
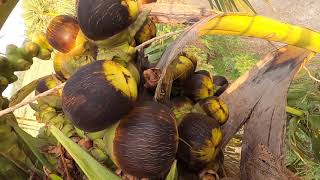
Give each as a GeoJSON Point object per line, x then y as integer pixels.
{"type": "Point", "coordinates": [232, 6]}
{"type": "Point", "coordinates": [92, 168]}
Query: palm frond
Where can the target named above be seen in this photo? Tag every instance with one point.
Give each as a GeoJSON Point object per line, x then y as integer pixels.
{"type": "Point", "coordinates": [303, 133]}
{"type": "Point", "coordinates": [232, 6]}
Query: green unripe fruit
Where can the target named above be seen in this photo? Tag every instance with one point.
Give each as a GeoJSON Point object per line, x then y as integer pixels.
{"type": "Point", "coordinates": [44, 54]}
{"type": "Point", "coordinates": [21, 64]}
{"type": "Point", "coordinates": [12, 78]}
{"type": "Point", "coordinates": [98, 154]}
{"type": "Point", "coordinates": [3, 62]}
{"type": "Point", "coordinates": [4, 103]}
{"type": "Point", "coordinates": [11, 49]}
{"type": "Point", "coordinates": [31, 49]}
{"type": "Point", "coordinates": [3, 83]}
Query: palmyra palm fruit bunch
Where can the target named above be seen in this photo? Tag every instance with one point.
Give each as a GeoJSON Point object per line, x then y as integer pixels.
{"type": "Point", "coordinates": [103, 97]}
{"type": "Point", "coordinates": [101, 104]}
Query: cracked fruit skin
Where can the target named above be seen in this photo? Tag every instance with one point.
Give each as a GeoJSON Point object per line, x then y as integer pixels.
{"type": "Point", "coordinates": [200, 140]}
{"type": "Point", "coordinates": [98, 95]}
{"type": "Point", "coordinates": [146, 141]}
{"type": "Point", "coordinates": [101, 19]}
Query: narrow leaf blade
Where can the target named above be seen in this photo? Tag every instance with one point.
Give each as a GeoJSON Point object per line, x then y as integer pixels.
{"type": "Point", "coordinates": [33, 144]}
{"type": "Point", "coordinates": [92, 168]}
{"type": "Point", "coordinates": [173, 174]}
{"type": "Point", "coordinates": [24, 92]}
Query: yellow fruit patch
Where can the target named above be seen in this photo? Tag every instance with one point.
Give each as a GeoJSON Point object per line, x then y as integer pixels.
{"type": "Point", "coordinates": [207, 88]}
{"type": "Point", "coordinates": [183, 67]}
{"type": "Point", "coordinates": [121, 79]}
{"type": "Point", "coordinates": [216, 136]}
{"type": "Point", "coordinates": [133, 8]}
{"type": "Point", "coordinates": [209, 151]}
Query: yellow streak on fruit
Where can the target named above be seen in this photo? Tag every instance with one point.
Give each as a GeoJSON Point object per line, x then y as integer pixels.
{"type": "Point", "coordinates": [145, 35]}
{"type": "Point", "coordinates": [148, 31]}
{"type": "Point", "coordinates": [217, 109]}
{"type": "Point", "coordinates": [207, 89]}
{"type": "Point", "coordinates": [223, 112]}
{"type": "Point", "coordinates": [133, 8]}
{"type": "Point", "coordinates": [216, 136]}
{"type": "Point", "coordinates": [121, 79]}
{"type": "Point", "coordinates": [42, 41]}
{"type": "Point", "coordinates": [80, 48]}
{"type": "Point", "coordinates": [52, 83]}
{"type": "Point", "coordinates": [209, 151]}
{"type": "Point", "coordinates": [181, 112]}
{"type": "Point", "coordinates": [59, 64]}
{"type": "Point", "coordinates": [183, 67]}
{"type": "Point", "coordinates": [57, 61]}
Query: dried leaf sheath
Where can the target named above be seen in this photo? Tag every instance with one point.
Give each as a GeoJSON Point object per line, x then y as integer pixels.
{"type": "Point", "coordinates": [167, 62]}
{"type": "Point", "coordinates": [258, 99]}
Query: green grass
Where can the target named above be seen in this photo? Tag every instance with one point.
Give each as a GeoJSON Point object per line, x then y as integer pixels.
{"type": "Point", "coordinates": [220, 55]}
{"type": "Point", "coordinates": [224, 55]}
{"type": "Point", "coordinates": [229, 56]}
{"type": "Point", "coordinates": [303, 155]}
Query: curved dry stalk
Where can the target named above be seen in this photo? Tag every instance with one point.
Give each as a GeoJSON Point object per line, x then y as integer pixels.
{"type": "Point", "coordinates": [26, 102]}
{"type": "Point", "coordinates": [167, 35]}
{"type": "Point", "coordinates": [310, 75]}
{"type": "Point", "coordinates": [168, 60]}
